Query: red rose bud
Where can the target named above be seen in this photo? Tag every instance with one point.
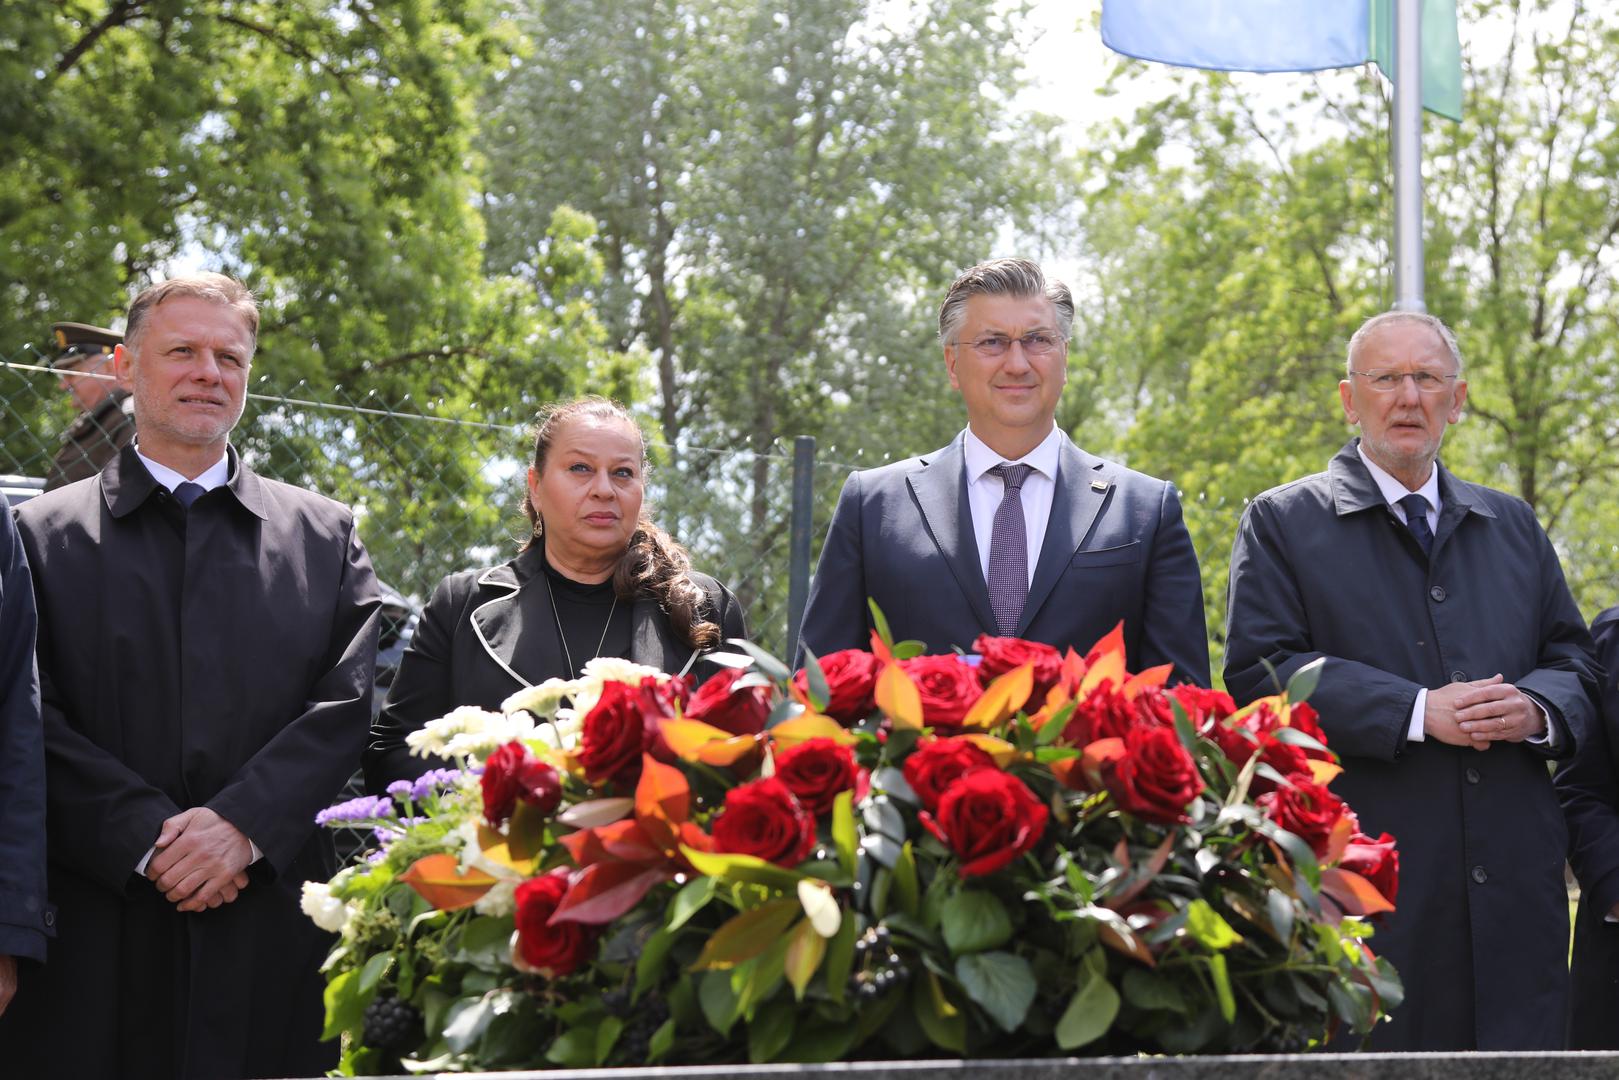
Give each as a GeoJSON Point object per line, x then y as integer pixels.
{"type": "Point", "coordinates": [987, 818]}
{"type": "Point", "coordinates": [851, 680]}
{"type": "Point", "coordinates": [1155, 778]}
{"type": "Point", "coordinates": [613, 736]}
{"type": "Point", "coordinates": [948, 687]}
{"type": "Point", "coordinates": [1003, 654]}
{"type": "Point", "coordinates": [551, 949]}
{"type": "Point", "coordinates": [765, 819]}
{"type": "Point", "coordinates": [935, 764]}
{"type": "Point", "coordinates": [1306, 809]}
{"type": "Point", "coordinates": [513, 773]}
{"type": "Point", "coordinates": [1375, 860]}
{"type": "Point", "coordinates": [740, 712]}
{"type": "Point", "coordinates": [1202, 705]}
{"type": "Point", "coordinates": [816, 771]}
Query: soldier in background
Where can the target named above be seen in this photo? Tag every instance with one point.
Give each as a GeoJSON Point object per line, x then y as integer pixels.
{"type": "Point", "coordinates": [106, 420]}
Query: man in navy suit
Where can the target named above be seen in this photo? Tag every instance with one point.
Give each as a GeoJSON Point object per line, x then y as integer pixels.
{"type": "Point", "coordinates": [1011, 530]}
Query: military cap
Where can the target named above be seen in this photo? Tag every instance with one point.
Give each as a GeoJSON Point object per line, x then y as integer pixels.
{"type": "Point", "coordinates": [74, 340]}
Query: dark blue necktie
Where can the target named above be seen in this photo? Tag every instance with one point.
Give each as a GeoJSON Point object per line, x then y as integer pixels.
{"type": "Point", "coordinates": [188, 493]}
{"type": "Point", "coordinates": [1416, 519]}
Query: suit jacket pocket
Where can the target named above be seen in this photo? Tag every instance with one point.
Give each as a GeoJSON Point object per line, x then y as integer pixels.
{"type": "Point", "coordinates": [1113, 556]}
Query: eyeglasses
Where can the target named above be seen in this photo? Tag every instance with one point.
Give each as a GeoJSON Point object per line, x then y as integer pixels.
{"type": "Point", "coordinates": [1038, 343]}
{"type": "Point", "coordinates": [1386, 382]}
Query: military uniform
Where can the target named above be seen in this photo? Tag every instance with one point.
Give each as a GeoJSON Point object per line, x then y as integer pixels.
{"type": "Point", "coordinates": [96, 436]}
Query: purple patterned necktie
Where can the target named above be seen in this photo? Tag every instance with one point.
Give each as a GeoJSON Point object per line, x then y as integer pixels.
{"type": "Point", "coordinates": [1009, 552]}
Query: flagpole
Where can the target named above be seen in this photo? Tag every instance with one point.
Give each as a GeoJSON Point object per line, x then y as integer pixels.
{"type": "Point", "coordinates": [1406, 137]}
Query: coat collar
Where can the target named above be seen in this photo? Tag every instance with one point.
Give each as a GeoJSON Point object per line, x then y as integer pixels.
{"type": "Point", "coordinates": [939, 485]}
{"type": "Point", "coordinates": [1354, 490]}
{"type": "Point", "coordinates": [517, 626]}
{"type": "Point", "coordinates": [126, 484]}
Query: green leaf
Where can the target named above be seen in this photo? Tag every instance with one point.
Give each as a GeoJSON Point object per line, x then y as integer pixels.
{"type": "Point", "coordinates": [938, 1016]}
{"type": "Point", "coordinates": [1053, 727]}
{"type": "Point", "coordinates": [748, 934]}
{"type": "Point", "coordinates": [692, 898]}
{"type": "Point", "coordinates": [767, 663]}
{"type": "Point", "coordinates": [908, 650]}
{"type": "Point", "coordinates": [1303, 682]}
{"type": "Point", "coordinates": [1222, 987]}
{"type": "Point", "coordinates": [844, 837]}
{"type": "Point", "coordinates": [1090, 1012]}
{"type": "Point", "coordinates": [718, 1000]}
{"type": "Point", "coordinates": [1149, 991]}
{"type": "Point", "coordinates": [607, 1033]}
{"type": "Point", "coordinates": [345, 1005]}
{"type": "Point", "coordinates": [907, 893]}
{"type": "Point", "coordinates": [880, 624]}
{"type": "Point", "coordinates": [486, 942]}
{"type": "Point", "coordinates": [819, 693]}
{"type": "Point", "coordinates": [757, 979]}
{"type": "Point", "coordinates": [1001, 983]}
{"type": "Point", "coordinates": [733, 867]}
{"type": "Point", "coordinates": [840, 960]}
{"type": "Point", "coordinates": [770, 1031]}
{"type": "Point", "coordinates": [974, 920]}
{"type": "Point", "coordinates": [1208, 928]}
{"type": "Point", "coordinates": [375, 968]}
{"type": "Point", "coordinates": [467, 1021]}
{"type": "Point", "coordinates": [663, 1040]}
{"type": "Point", "coordinates": [575, 1048]}
{"type": "Point", "coordinates": [1280, 907]}
{"type": "Point", "coordinates": [649, 962]}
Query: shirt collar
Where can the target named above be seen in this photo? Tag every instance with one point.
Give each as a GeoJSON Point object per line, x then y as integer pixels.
{"type": "Point", "coordinates": [1393, 491]}
{"type": "Point", "coordinates": [213, 476]}
{"type": "Point", "coordinates": [1043, 458]}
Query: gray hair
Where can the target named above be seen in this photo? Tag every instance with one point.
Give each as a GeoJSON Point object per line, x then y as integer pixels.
{"type": "Point", "coordinates": [1002, 277]}
{"type": "Point", "coordinates": [216, 288]}
{"type": "Point", "coordinates": [1395, 318]}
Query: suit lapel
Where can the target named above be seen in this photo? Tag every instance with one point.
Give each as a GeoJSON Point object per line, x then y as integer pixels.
{"type": "Point", "coordinates": [1074, 507]}
{"type": "Point", "coordinates": [940, 489]}
{"type": "Point", "coordinates": [651, 642]}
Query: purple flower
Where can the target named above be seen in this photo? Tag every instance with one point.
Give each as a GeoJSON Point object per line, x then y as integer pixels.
{"type": "Point", "coordinates": [364, 808]}
{"type": "Point", "coordinates": [430, 782]}
{"type": "Point", "coordinates": [400, 789]}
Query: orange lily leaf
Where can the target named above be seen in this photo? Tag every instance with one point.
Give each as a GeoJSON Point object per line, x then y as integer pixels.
{"type": "Point", "coordinates": [1341, 834]}
{"type": "Point", "coordinates": [809, 725]}
{"type": "Point", "coordinates": [1354, 894]}
{"type": "Point", "coordinates": [601, 893]}
{"type": "Point", "coordinates": [879, 650]}
{"type": "Point", "coordinates": [1150, 679]}
{"type": "Point", "coordinates": [1002, 751]}
{"type": "Point", "coordinates": [685, 736]}
{"type": "Point", "coordinates": [1097, 756]}
{"type": "Point", "coordinates": [1108, 667]}
{"type": "Point", "coordinates": [1006, 695]}
{"type": "Point", "coordinates": [439, 881]}
{"type": "Point", "coordinates": [495, 848]}
{"type": "Point", "coordinates": [1324, 772]}
{"type": "Point", "coordinates": [1127, 943]}
{"type": "Point", "coordinates": [898, 697]}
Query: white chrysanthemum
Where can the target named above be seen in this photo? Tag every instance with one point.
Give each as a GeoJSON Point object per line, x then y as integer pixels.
{"type": "Point", "coordinates": [606, 669]}
{"type": "Point", "coordinates": [561, 732]}
{"type": "Point", "coordinates": [435, 736]}
{"type": "Point", "coordinates": [543, 700]}
{"type": "Point", "coordinates": [501, 899]}
{"type": "Point", "coordinates": [324, 909]}
{"type": "Point", "coordinates": [498, 730]}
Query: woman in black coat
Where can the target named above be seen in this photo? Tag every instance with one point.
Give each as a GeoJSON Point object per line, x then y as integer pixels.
{"type": "Point", "coordinates": [596, 578]}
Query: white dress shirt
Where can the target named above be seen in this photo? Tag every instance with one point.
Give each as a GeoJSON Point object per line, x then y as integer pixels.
{"type": "Point", "coordinates": [985, 490]}
{"type": "Point", "coordinates": [1393, 491]}
{"type": "Point", "coordinates": [215, 475]}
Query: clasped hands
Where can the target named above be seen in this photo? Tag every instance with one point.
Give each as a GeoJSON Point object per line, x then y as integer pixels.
{"type": "Point", "coordinates": [1481, 712]}
{"type": "Point", "coordinates": [200, 860]}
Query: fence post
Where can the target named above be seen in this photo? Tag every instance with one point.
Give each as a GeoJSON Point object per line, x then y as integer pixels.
{"type": "Point", "coordinates": [798, 566]}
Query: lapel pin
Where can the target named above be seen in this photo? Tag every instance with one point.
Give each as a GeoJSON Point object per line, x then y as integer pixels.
{"type": "Point", "coordinates": [1099, 485]}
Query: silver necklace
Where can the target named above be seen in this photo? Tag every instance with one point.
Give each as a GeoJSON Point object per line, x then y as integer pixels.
{"type": "Point", "coordinates": [573, 672]}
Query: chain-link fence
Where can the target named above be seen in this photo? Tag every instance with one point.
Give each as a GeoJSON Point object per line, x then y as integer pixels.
{"type": "Point", "coordinates": [438, 490]}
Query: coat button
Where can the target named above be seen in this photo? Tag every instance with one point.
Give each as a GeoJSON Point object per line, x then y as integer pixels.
{"type": "Point", "coordinates": [1479, 875]}
{"type": "Point", "coordinates": [1458, 676]}
{"type": "Point", "coordinates": [1472, 775]}
{"type": "Point", "coordinates": [50, 918]}
{"type": "Point", "coordinates": [1438, 594]}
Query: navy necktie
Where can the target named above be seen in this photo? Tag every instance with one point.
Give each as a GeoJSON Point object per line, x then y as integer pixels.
{"type": "Point", "coordinates": [188, 493]}
{"type": "Point", "coordinates": [1009, 552]}
{"type": "Point", "coordinates": [1416, 519]}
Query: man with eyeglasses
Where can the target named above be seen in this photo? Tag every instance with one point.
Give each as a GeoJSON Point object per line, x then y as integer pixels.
{"type": "Point", "coordinates": [1455, 665]}
{"type": "Point", "coordinates": [106, 420]}
{"type": "Point", "coordinates": [1011, 530]}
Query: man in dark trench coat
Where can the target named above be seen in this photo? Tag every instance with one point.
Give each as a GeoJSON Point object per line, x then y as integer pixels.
{"type": "Point", "coordinates": [1456, 665]}
{"type": "Point", "coordinates": [206, 642]}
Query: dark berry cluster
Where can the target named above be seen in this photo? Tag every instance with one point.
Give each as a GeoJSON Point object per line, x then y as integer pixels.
{"type": "Point", "coordinates": [391, 1024]}
{"type": "Point", "coordinates": [878, 968]}
{"type": "Point", "coordinates": [641, 1022]}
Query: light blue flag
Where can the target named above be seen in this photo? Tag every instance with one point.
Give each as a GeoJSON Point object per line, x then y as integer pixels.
{"type": "Point", "coordinates": [1240, 35]}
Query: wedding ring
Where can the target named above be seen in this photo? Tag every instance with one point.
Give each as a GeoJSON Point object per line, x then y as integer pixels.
{"type": "Point", "coordinates": [1501, 720]}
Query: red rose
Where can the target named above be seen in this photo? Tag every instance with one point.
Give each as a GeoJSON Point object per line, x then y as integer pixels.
{"type": "Point", "coordinates": [1375, 860]}
{"type": "Point", "coordinates": [1003, 654]}
{"type": "Point", "coordinates": [512, 773]}
{"type": "Point", "coordinates": [851, 679]}
{"type": "Point", "coordinates": [552, 949]}
{"type": "Point", "coordinates": [1239, 741]}
{"type": "Point", "coordinates": [1102, 714]}
{"type": "Point", "coordinates": [1306, 719]}
{"type": "Point", "coordinates": [1201, 704]}
{"type": "Point", "coordinates": [948, 686]}
{"type": "Point", "coordinates": [613, 736]}
{"type": "Point", "coordinates": [1155, 778]}
{"type": "Point", "coordinates": [816, 771]}
{"type": "Point", "coordinates": [935, 764]}
{"type": "Point", "coordinates": [740, 712]}
{"type": "Point", "coordinates": [660, 700]}
{"type": "Point", "coordinates": [988, 818]}
{"type": "Point", "coordinates": [1306, 809]}
{"type": "Point", "coordinates": [764, 818]}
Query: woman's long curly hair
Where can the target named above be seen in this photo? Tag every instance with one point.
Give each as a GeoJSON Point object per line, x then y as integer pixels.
{"type": "Point", "coordinates": [654, 564]}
